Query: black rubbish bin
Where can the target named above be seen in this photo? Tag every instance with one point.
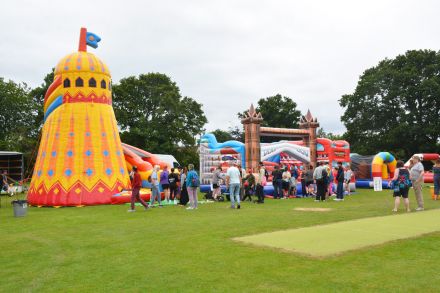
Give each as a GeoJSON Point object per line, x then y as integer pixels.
{"type": "Point", "coordinates": [20, 207]}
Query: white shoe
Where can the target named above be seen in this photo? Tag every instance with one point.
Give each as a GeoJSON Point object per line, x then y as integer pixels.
{"type": "Point", "coordinates": [189, 208]}
{"type": "Point", "coordinates": [130, 210]}
{"type": "Point", "coordinates": [337, 199]}
{"type": "Point", "coordinates": [420, 209]}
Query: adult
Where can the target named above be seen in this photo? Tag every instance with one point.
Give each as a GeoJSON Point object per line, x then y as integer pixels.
{"type": "Point", "coordinates": [310, 190]}
{"type": "Point", "coordinates": [233, 180]}
{"type": "Point", "coordinates": [136, 187]}
{"type": "Point", "coordinates": [303, 181]}
{"type": "Point", "coordinates": [436, 172]}
{"type": "Point", "coordinates": [416, 175]}
{"type": "Point", "coordinates": [192, 183]}
{"type": "Point", "coordinates": [216, 177]}
{"type": "Point", "coordinates": [340, 181]}
{"type": "Point", "coordinates": [347, 178]}
{"type": "Point", "coordinates": [285, 183]}
{"type": "Point", "coordinates": [401, 183]}
{"type": "Point", "coordinates": [330, 179]}
{"type": "Point", "coordinates": [155, 184]}
{"type": "Point", "coordinates": [277, 182]}
{"type": "Point", "coordinates": [165, 184]}
{"type": "Point", "coordinates": [249, 185]}
{"type": "Point", "coordinates": [260, 182]}
{"type": "Point", "coordinates": [320, 177]}
{"type": "Point", "coordinates": [292, 185]}
{"type": "Point", "coordinates": [5, 184]}
{"type": "Point", "coordinates": [183, 200]}
{"type": "Point", "coordinates": [173, 179]}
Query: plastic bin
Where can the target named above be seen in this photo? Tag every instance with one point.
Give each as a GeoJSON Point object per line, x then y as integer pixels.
{"type": "Point", "coordinates": [20, 207]}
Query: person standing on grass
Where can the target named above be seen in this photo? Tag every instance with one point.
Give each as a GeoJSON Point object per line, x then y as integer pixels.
{"type": "Point", "coordinates": [136, 187]}
{"type": "Point", "coordinates": [436, 172]}
{"type": "Point", "coordinates": [320, 176]}
{"type": "Point", "coordinates": [277, 182]}
{"type": "Point", "coordinates": [401, 183]}
{"type": "Point", "coordinates": [173, 179]}
{"type": "Point", "coordinates": [285, 183]}
{"type": "Point", "coordinates": [310, 190]}
{"type": "Point", "coordinates": [192, 183]}
{"type": "Point", "coordinates": [416, 175]}
{"type": "Point", "coordinates": [155, 186]}
{"type": "Point", "coordinates": [5, 184]}
{"type": "Point", "coordinates": [165, 184]}
{"type": "Point", "coordinates": [340, 180]}
{"type": "Point", "coordinates": [303, 181]}
{"type": "Point", "coordinates": [233, 180]}
{"type": "Point", "coordinates": [183, 200]}
{"type": "Point", "coordinates": [347, 178]}
{"type": "Point", "coordinates": [216, 177]}
{"type": "Point", "coordinates": [260, 181]}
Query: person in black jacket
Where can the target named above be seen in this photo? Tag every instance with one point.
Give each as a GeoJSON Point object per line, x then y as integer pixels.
{"type": "Point", "coordinates": [340, 180]}
{"type": "Point", "coordinates": [173, 179]}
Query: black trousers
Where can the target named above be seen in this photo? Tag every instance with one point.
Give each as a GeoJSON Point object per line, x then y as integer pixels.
{"type": "Point", "coordinates": [248, 193]}
{"type": "Point", "coordinates": [321, 186]}
{"type": "Point", "coordinates": [303, 187]}
{"type": "Point", "coordinates": [260, 193]}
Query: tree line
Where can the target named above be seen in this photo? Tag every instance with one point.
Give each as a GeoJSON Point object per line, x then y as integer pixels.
{"type": "Point", "coordinates": [394, 107]}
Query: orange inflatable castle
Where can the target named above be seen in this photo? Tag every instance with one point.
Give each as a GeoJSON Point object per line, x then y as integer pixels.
{"type": "Point", "coordinates": [80, 159]}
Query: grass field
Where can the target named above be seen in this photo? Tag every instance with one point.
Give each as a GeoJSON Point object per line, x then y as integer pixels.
{"type": "Point", "coordinates": [104, 248]}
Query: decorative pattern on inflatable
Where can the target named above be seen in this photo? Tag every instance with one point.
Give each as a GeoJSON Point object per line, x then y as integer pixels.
{"type": "Point", "coordinates": [80, 159]}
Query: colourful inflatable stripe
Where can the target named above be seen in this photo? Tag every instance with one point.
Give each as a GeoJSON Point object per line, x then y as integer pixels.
{"type": "Point", "coordinates": [382, 163]}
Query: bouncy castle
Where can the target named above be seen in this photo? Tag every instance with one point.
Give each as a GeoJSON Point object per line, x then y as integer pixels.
{"type": "Point", "coordinates": [80, 160]}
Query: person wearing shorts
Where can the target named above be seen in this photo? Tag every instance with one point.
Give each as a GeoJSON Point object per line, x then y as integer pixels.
{"type": "Point", "coordinates": [165, 184]}
{"type": "Point", "coordinates": [286, 183]}
{"type": "Point", "coordinates": [309, 181]}
{"type": "Point", "coordinates": [401, 189]}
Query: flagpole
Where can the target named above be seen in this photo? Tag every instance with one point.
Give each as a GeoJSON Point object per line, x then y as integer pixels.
{"type": "Point", "coordinates": [82, 40]}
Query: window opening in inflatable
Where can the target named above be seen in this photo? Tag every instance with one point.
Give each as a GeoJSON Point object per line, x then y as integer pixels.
{"type": "Point", "coordinates": [66, 82]}
{"type": "Point", "coordinates": [79, 82]}
{"type": "Point", "coordinates": [92, 82]}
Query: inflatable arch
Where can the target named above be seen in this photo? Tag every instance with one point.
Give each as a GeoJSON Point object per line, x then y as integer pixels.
{"type": "Point", "coordinates": [382, 162]}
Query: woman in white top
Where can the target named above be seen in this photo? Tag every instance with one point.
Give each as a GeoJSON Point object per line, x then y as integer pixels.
{"type": "Point", "coordinates": [347, 178]}
{"type": "Point", "coordinates": [286, 183]}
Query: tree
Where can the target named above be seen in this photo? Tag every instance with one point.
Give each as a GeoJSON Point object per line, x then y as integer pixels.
{"type": "Point", "coordinates": [222, 135]}
{"type": "Point", "coordinates": [277, 111]}
{"type": "Point", "coordinates": [321, 133]}
{"type": "Point", "coordinates": [153, 115]}
{"type": "Point", "coordinates": [395, 106]}
{"type": "Point", "coordinates": [37, 97]}
{"type": "Point", "coordinates": [236, 133]}
{"type": "Point", "coordinates": [16, 119]}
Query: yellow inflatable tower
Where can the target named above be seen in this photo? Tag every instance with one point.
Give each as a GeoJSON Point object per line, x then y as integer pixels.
{"type": "Point", "coordinates": [80, 159]}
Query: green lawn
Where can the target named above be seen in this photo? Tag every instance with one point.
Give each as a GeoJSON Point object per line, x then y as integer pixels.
{"type": "Point", "coordinates": [104, 248]}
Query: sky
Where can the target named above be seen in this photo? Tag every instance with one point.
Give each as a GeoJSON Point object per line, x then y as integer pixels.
{"type": "Point", "coordinates": [224, 54]}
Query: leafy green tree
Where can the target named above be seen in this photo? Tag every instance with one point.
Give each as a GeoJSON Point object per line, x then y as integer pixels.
{"type": "Point", "coordinates": [395, 106]}
{"type": "Point", "coordinates": [222, 135]}
{"type": "Point", "coordinates": [153, 115]}
{"type": "Point", "coordinates": [323, 134]}
{"type": "Point", "coordinates": [37, 98]}
{"type": "Point", "coordinates": [236, 133]}
{"type": "Point", "coordinates": [16, 119]}
{"type": "Point", "coordinates": [277, 111]}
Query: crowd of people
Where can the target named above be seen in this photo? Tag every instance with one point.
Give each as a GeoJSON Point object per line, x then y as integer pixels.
{"type": "Point", "coordinates": [180, 185]}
